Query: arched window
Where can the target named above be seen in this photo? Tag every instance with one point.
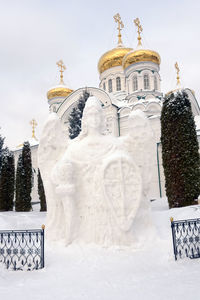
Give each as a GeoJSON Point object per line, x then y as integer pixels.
{"type": "Point", "coordinates": [135, 83]}
{"type": "Point", "coordinates": [146, 82]}
{"type": "Point", "coordinates": [104, 86]}
{"type": "Point", "coordinates": [118, 84]}
{"type": "Point", "coordinates": [110, 85]}
{"type": "Point", "coordinates": [155, 83]}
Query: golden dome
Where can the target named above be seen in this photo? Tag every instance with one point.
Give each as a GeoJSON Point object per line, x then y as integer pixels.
{"type": "Point", "coordinates": [140, 56]}
{"type": "Point", "coordinates": [59, 91]}
{"type": "Point", "coordinates": [112, 58]}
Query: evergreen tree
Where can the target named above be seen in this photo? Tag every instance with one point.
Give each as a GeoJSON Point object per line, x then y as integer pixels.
{"type": "Point", "coordinates": [181, 161]}
{"type": "Point", "coordinates": [27, 167]}
{"type": "Point", "coordinates": [24, 180]}
{"type": "Point", "coordinates": [19, 186]}
{"type": "Point", "coordinates": [76, 116]}
{"type": "Point", "coordinates": [1, 150]}
{"type": "Point", "coordinates": [74, 123]}
{"type": "Point", "coordinates": [41, 193]}
{"type": "Point", "coordinates": [7, 180]}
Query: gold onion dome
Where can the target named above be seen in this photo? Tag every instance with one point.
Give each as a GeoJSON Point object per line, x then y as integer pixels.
{"type": "Point", "coordinates": [112, 58]}
{"type": "Point", "coordinates": [140, 55]}
{"type": "Point", "coordinates": [60, 90]}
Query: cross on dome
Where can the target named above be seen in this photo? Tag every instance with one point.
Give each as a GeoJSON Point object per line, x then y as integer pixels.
{"type": "Point", "coordinates": [177, 77]}
{"type": "Point", "coordinates": [139, 27]}
{"type": "Point", "coordinates": [118, 20]}
{"type": "Point", "coordinates": [33, 124]}
{"type": "Point", "coordinates": [62, 67]}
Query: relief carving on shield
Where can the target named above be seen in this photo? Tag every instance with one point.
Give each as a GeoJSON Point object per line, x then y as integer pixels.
{"type": "Point", "coordinates": [122, 186]}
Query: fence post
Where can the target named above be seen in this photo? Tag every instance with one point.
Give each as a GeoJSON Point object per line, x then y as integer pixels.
{"type": "Point", "coordinates": [42, 246]}
{"type": "Point", "coordinates": [173, 237]}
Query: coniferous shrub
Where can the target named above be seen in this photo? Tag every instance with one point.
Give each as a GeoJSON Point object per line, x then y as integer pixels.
{"type": "Point", "coordinates": [76, 116]}
{"type": "Point", "coordinates": [28, 174]}
{"type": "Point", "coordinates": [19, 186]}
{"type": "Point", "coordinates": [1, 150]}
{"type": "Point", "coordinates": [41, 193]}
{"type": "Point", "coordinates": [181, 161]}
{"type": "Point", "coordinates": [7, 180]}
{"type": "Point", "coordinates": [24, 180]}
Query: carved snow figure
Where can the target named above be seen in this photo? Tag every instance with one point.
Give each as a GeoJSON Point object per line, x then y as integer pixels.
{"type": "Point", "coordinates": [138, 142]}
{"type": "Point", "coordinates": [52, 145]}
{"type": "Point", "coordinates": [95, 189]}
{"type": "Point", "coordinates": [63, 178]}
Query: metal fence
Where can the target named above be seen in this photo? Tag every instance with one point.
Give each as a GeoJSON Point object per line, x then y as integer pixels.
{"type": "Point", "coordinates": [186, 238]}
{"type": "Point", "coordinates": [22, 249]}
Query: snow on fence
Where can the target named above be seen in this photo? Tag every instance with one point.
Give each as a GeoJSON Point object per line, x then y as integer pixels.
{"type": "Point", "coordinates": [186, 238]}
{"type": "Point", "coordinates": [22, 249]}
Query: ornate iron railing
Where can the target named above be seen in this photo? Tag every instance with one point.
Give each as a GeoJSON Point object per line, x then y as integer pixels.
{"type": "Point", "coordinates": [186, 238]}
{"type": "Point", "coordinates": [22, 249]}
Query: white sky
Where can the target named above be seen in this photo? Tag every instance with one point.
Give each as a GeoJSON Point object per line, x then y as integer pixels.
{"type": "Point", "coordinates": [35, 34]}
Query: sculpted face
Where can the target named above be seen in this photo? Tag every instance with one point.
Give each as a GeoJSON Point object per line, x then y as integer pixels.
{"type": "Point", "coordinates": [92, 116]}
{"type": "Point", "coordinates": [93, 119]}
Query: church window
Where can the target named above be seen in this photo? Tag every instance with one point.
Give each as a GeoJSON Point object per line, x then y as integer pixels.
{"type": "Point", "coordinates": [135, 83]}
{"type": "Point", "coordinates": [146, 82]}
{"type": "Point", "coordinates": [104, 86]}
{"type": "Point", "coordinates": [155, 83]}
{"type": "Point", "coordinates": [118, 84]}
{"type": "Point", "coordinates": [110, 85]}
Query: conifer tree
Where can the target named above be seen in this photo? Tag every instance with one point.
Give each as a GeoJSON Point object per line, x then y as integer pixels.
{"type": "Point", "coordinates": [1, 150]}
{"type": "Point", "coordinates": [76, 116]}
{"type": "Point", "coordinates": [19, 186]}
{"type": "Point", "coordinates": [74, 123]}
{"type": "Point", "coordinates": [27, 168]}
{"type": "Point", "coordinates": [7, 179]}
{"type": "Point", "coordinates": [181, 161]}
{"type": "Point", "coordinates": [41, 193]}
{"type": "Point", "coordinates": [24, 180]}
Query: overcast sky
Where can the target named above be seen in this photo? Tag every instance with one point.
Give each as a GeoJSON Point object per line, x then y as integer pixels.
{"type": "Point", "coordinates": [35, 34]}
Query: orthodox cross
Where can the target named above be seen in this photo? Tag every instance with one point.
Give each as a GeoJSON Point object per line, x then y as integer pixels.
{"type": "Point", "coordinates": [139, 27]}
{"type": "Point", "coordinates": [33, 124]}
{"type": "Point", "coordinates": [177, 71]}
{"type": "Point", "coordinates": [118, 20]}
{"type": "Point", "coordinates": [62, 67]}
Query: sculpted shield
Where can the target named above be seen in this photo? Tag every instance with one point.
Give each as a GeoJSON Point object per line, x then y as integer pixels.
{"type": "Point", "coordinates": [122, 185]}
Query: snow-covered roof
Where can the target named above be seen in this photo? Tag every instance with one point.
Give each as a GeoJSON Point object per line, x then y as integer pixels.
{"type": "Point", "coordinates": [33, 142]}
{"type": "Point", "coordinates": [154, 117]}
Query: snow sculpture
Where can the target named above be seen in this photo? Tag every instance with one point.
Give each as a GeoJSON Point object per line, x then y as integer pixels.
{"type": "Point", "coordinates": [138, 142]}
{"type": "Point", "coordinates": [52, 145]}
{"type": "Point", "coordinates": [95, 189]}
{"type": "Point", "coordinates": [139, 145]}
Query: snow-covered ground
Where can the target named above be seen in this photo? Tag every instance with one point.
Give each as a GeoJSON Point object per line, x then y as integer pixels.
{"type": "Point", "coordinates": [92, 273]}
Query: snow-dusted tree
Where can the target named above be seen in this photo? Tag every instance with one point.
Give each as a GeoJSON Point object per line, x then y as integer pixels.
{"type": "Point", "coordinates": [24, 180]}
{"type": "Point", "coordinates": [28, 174]}
{"type": "Point", "coordinates": [7, 180]}
{"type": "Point", "coordinates": [180, 154]}
{"type": "Point", "coordinates": [19, 186]}
{"type": "Point", "coordinates": [76, 116]}
{"type": "Point", "coordinates": [1, 150]}
{"type": "Point", "coordinates": [41, 193]}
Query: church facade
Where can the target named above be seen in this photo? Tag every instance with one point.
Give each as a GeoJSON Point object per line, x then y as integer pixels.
{"type": "Point", "coordinates": [129, 80]}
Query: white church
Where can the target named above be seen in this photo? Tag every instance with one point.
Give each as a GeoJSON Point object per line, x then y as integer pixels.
{"type": "Point", "coordinates": [129, 80]}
